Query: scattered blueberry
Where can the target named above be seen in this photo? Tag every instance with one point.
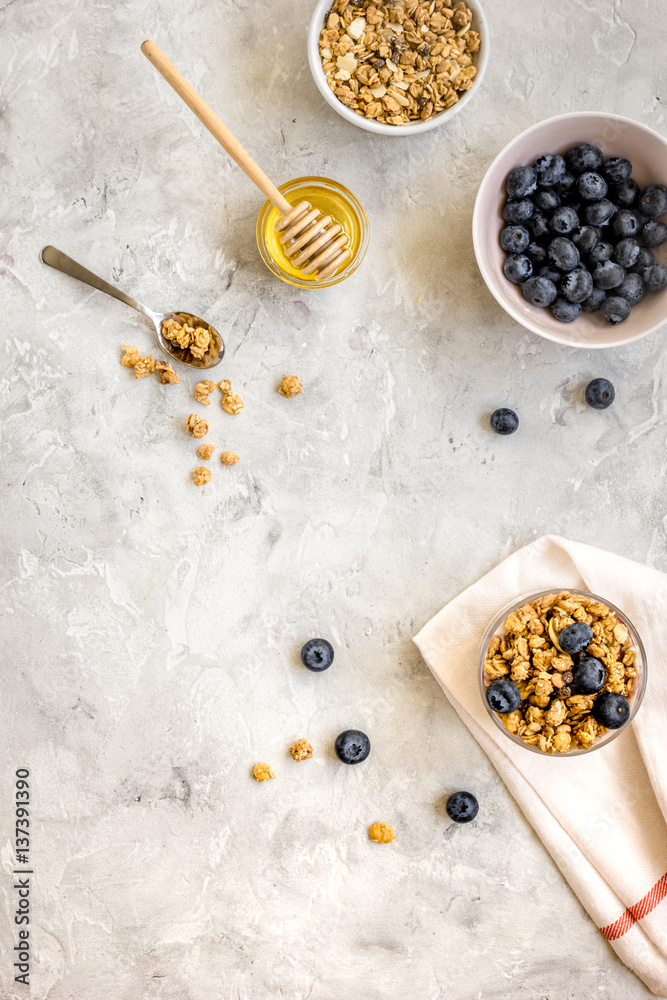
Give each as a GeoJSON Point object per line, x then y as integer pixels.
{"type": "Point", "coordinates": [550, 169]}
{"type": "Point", "coordinates": [551, 273]}
{"type": "Point", "coordinates": [514, 239]}
{"type": "Point", "coordinates": [541, 291]}
{"type": "Point", "coordinates": [594, 300]}
{"type": "Point", "coordinates": [577, 285]}
{"type": "Point", "coordinates": [537, 254]}
{"type": "Point", "coordinates": [517, 268]}
{"type": "Point", "coordinates": [655, 277]}
{"type": "Point", "coordinates": [518, 210]}
{"type": "Point", "coordinates": [600, 253]}
{"type": "Point", "coordinates": [575, 638]}
{"type": "Point", "coordinates": [654, 234]}
{"type": "Point", "coordinates": [626, 252]}
{"type": "Point", "coordinates": [616, 170]}
{"type": "Point", "coordinates": [503, 696]}
{"type": "Point", "coordinates": [591, 186]}
{"type": "Point", "coordinates": [615, 309]}
{"type": "Point", "coordinates": [589, 674]}
{"type": "Point", "coordinates": [598, 213]}
{"type": "Point", "coordinates": [611, 710]}
{"type": "Point", "coordinates": [608, 275]}
{"type": "Point", "coordinates": [565, 311]}
{"type": "Point", "coordinates": [504, 421]}
{"type": "Point", "coordinates": [645, 259]}
{"type": "Point", "coordinates": [632, 288]}
{"type": "Point", "coordinates": [317, 654]}
{"type": "Point", "coordinates": [462, 807]}
{"type": "Point", "coordinates": [537, 225]}
{"type": "Point", "coordinates": [584, 157]}
{"type": "Point", "coordinates": [547, 200]}
{"type": "Point", "coordinates": [600, 393]}
{"type": "Point", "coordinates": [352, 746]}
{"type": "Point", "coordinates": [564, 220]}
{"type": "Point", "coordinates": [521, 182]}
{"type": "Point", "coordinates": [626, 223]}
{"type": "Point", "coordinates": [626, 193]}
{"type": "Point", "coordinates": [653, 201]}
{"type": "Point", "coordinates": [585, 238]}
{"type": "Point", "coordinates": [564, 254]}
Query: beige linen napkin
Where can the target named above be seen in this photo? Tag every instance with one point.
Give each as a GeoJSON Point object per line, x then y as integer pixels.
{"type": "Point", "coordinates": [602, 816]}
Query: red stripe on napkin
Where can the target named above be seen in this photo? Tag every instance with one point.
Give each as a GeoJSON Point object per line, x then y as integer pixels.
{"type": "Point", "coordinates": [636, 912]}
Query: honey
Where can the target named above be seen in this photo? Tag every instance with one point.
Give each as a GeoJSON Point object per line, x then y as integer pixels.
{"type": "Point", "coordinates": [331, 199]}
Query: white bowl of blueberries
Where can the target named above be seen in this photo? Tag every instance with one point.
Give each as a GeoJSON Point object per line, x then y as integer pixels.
{"type": "Point", "coordinates": [570, 229]}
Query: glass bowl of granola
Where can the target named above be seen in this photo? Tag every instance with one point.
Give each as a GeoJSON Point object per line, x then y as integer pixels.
{"type": "Point", "coordinates": [550, 700]}
{"type": "Point", "coordinates": [398, 67]}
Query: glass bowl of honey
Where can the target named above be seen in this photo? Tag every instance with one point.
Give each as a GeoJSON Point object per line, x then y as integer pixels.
{"type": "Point", "coordinates": [332, 199]}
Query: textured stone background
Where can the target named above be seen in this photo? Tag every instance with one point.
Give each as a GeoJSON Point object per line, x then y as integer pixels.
{"type": "Point", "coordinates": [152, 629]}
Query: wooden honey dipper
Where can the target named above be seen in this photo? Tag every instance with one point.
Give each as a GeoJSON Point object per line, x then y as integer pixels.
{"type": "Point", "coordinates": [315, 243]}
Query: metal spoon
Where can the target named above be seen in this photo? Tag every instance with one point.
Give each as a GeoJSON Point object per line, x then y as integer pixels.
{"type": "Point", "coordinates": [214, 354]}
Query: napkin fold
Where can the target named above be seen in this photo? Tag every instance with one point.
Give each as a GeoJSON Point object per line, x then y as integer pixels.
{"type": "Point", "coordinates": [601, 816]}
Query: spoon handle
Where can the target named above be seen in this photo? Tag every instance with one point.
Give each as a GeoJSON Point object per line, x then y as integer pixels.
{"type": "Point", "coordinates": [56, 258]}
{"type": "Point", "coordinates": [208, 118]}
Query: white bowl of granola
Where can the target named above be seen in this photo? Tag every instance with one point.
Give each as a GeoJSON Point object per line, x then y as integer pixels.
{"type": "Point", "coordinates": [555, 717]}
{"type": "Point", "coordinates": [441, 51]}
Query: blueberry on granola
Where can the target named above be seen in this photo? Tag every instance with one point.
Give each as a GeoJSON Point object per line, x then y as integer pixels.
{"type": "Point", "coordinates": [611, 710]}
{"type": "Point", "coordinates": [575, 638]}
{"type": "Point", "coordinates": [600, 393]}
{"type": "Point", "coordinates": [462, 807]}
{"type": "Point", "coordinates": [589, 674]}
{"type": "Point", "coordinates": [503, 696]}
{"type": "Point", "coordinates": [317, 654]}
{"type": "Point", "coordinates": [504, 421]}
{"type": "Point", "coordinates": [352, 746]}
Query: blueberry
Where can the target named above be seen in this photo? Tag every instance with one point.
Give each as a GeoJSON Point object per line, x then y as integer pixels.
{"type": "Point", "coordinates": [600, 253]}
{"type": "Point", "coordinates": [608, 275]}
{"type": "Point", "coordinates": [632, 288]}
{"type": "Point", "coordinates": [594, 300]}
{"type": "Point", "coordinates": [565, 311]}
{"type": "Point", "coordinates": [551, 273]}
{"type": "Point", "coordinates": [521, 182]}
{"type": "Point", "coordinates": [547, 200]}
{"type": "Point", "coordinates": [564, 185]}
{"type": "Point", "coordinates": [585, 238]}
{"type": "Point", "coordinates": [541, 291]}
{"type": "Point", "coordinates": [616, 170]}
{"type": "Point", "coordinates": [514, 239]}
{"type": "Point", "coordinates": [653, 201]}
{"type": "Point", "coordinates": [598, 213]}
{"type": "Point", "coordinates": [644, 260]}
{"type": "Point", "coordinates": [626, 252]}
{"type": "Point", "coordinates": [517, 268]}
{"type": "Point", "coordinates": [600, 393]}
{"type": "Point", "coordinates": [611, 710]}
{"type": "Point", "coordinates": [538, 226]}
{"type": "Point", "coordinates": [518, 210]}
{"type": "Point", "coordinates": [626, 223]}
{"type": "Point", "coordinates": [537, 254]}
{"type": "Point", "coordinates": [352, 746]}
{"type": "Point", "coordinates": [564, 254]}
{"type": "Point", "coordinates": [462, 807]}
{"type": "Point", "coordinates": [591, 186]}
{"type": "Point", "coordinates": [317, 654]}
{"type": "Point", "coordinates": [655, 277]}
{"type": "Point", "coordinates": [589, 674]}
{"type": "Point", "coordinates": [504, 421]}
{"type": "Point", "coordinates": [577, 285]}
{"type": "Point", "coordinates": [626, 193]}
{"type": "Point", "coordinates": [550, 169]}
{"type": "Point", "coordinates": [575, 638]}
{"type": "Point", "coordinates": [564, 220]}
{"type": "Point", "coordinates": [503, 696]}
{"type": "Point", "coordinates": [615, 309]}
{"type": "Point", "coordinates": [584, 157]}
{"type": "Point", "coordinates": [654, 234]}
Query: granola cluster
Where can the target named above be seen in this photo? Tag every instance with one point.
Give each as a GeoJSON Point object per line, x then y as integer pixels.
{"type": "Point", "coordinates": [552, 715]}
{"type": "Point", "coordinates": [381, 833]}
{"type": "Point", "coordinates": [146, 366]}
{"type": "Point", "coordinates": [231, 401]}
{"type": "Point", "coordinates": [398, 60]}
{"type": "Point", "coordinates": [301, 750]}
{"type": "Point", "coordinates": [184, 332]}
{"type": "Point", "coordinates": [262, 771]}
{"type": "Point", "coordinates": [290, 386]}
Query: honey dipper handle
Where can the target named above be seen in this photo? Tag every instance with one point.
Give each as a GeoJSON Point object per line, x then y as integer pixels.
{"type": "Point", "coordinates": [208, 118]}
